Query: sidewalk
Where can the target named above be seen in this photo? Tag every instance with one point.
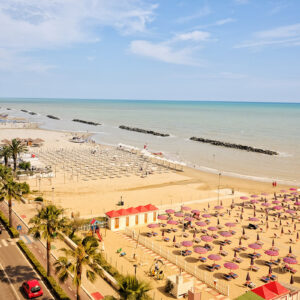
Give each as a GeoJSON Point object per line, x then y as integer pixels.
{"type": "Point", "coordinates": [21, 216]}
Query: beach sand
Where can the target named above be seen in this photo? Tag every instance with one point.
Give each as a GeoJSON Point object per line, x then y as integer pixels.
{"type": "Point", "coordinates": [164, 188]}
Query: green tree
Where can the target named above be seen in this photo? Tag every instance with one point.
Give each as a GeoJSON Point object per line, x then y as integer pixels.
{"type": "Point", "coordinates": [48, 223]}
{"type": "Point", "coordinates": [85, 255]}
{"type": "Point", "coordinates": [16, 148]}
{"type": "Point", "coordinates": [9, 189]}
{"type": "Point", "coordinates": [133, 289]}
{"type": "Point", "coordinates": [5, 152]}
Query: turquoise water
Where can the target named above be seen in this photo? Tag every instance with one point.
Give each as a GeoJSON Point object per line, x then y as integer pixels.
{"type": "Point", "coordinates": [274, 126]}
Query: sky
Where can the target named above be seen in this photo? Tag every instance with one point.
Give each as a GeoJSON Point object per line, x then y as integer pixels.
{"type": "Point", "coordinates": [231, 50]}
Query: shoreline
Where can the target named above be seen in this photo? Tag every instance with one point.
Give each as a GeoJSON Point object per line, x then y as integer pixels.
{"type": "Point", "coordinates": [209, 176]}
{"type": "Point", "coordinates": [201, 168]}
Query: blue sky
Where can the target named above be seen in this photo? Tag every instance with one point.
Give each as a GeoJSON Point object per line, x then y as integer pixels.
{"type": "Point", "coordinates": [238, 50]}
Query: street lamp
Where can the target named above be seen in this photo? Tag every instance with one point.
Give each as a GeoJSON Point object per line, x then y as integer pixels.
{"type": "Point", "coordinates": [219, 188]}
{"type": "Point", "coordinates": [135, 267]}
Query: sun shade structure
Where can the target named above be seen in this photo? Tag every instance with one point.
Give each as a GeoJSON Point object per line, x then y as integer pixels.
{"type": "Point", "coordinates": [133, 216]}
{"type": "Point", "coordinates": [271, 290]}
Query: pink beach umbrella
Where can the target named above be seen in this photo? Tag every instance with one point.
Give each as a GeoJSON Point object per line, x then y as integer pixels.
{"type": "Point", "coordinates": [290, 260]}
{"type": "Point", "coordinates": [172, 222]}
{"type": "Point", "coordinates": [214, 257]}
{"type": "Point", "coordinates": [207, 238]}
{"type": "Point", "coordinates": [253, 201]}
{"type": "Point", "coordinates": [179, 214]}
{"type": "Point", "coordinates": [230, 224]}
{"type": "Point", "coordinates": [195, 211]}
{"type": "Point", "coordinates": [254, 196]}
{"type": "Point", "coordinates": [225, 234]}
{"type": "Point", "coordinates": [201, 224]}
{"type": "Point", "coordinates": [231, 266]}
{"type": "Point", "coordinates": [155, 225]}
{"type": "Point", "coordinates": [189, 219]}
{"type": "Point", "coordinates": [253, 219]}
{"type": "Point", "coordinates": [186, 208]}
{"type": "Point", "coordinates": [255, 246]}
{"type": "Point", "coordinates": [293, 189]}
{"type": "Point", "coordinates": [277, 207]}
{"type": "Point", "coordinates": [244, 198]}
{"type": "Point", "coordinates": [219, 207]}
{"type": "Point", "coordinates": [283, 191]}
{"type": "Point", "coordinates": [276, 202]}
{"type": "Point", "coordinates": [212, 228]}
{"type": "Point", "coordinates": [162, 217]}
{"type": "Point", "coordinates": [200, 250]}
{"type": "Point", "coordinates": [297, 203]}
{"type": "Point", "coordinates": [290, 211]}
{"type": "Point", "coordinates": [207, 216]}
{"type": "Point", "coordinates": [272, 252]}
{"type": "Point", "coordinates": [170, 211]}
{"type": "Point", "coordinates": [264, 194]}
{"type": "Point", "coordinates": [187, 243]}
{"type": "Point", "coordinates": [266, 204]}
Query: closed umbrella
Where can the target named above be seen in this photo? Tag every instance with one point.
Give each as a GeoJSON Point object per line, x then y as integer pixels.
{"type": "Point", "coordinates": [248, 279]}
{"type": "Point", "coordinates": [174, 239]}
{"type": "Point", "coordinates": [292, 279]}
{"type": "Point", "coordinates": [270, 270]}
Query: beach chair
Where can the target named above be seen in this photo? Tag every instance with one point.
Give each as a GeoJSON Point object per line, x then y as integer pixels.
{"type": "Point", "coordinates": [166, 239]}
{"type": "Point", "coordinates": [223, 253]}
{"type": "Point", "coordinates": [254, 268]}
{"type": "Point", "coordinates": [273, 277]}
{"type": "Point", "coordinates": [237, 260]}
{"type": "Point", "coordinates": [265, 279]}
{"type": "Point", "coordinates": [234, 275]}
{"type": "Point", "coordinates": [217, 267]}
{"type": "Point", "coordinates": [122, 253]}
{"type": "Point", "coordinates": [227, 277]}
{"type": "Point", "coordinates": [202, 259]}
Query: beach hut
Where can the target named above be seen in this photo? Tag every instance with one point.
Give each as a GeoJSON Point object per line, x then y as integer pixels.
{"type": "Point", "coordinates": [131, 217]}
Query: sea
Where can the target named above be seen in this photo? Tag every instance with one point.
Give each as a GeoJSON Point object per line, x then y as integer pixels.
{"type": "Point", "coordinates": [272, 126]}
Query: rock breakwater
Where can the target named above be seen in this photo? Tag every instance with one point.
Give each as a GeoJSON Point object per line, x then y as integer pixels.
{"type": "Point", "coordinates": [235, 146]}
{"type": "Point", "coordinates": [53, 117]}
{"type": "Point", "coordinates": [143, 131]}
{"type": "Point", "coordinates": [86, 122]}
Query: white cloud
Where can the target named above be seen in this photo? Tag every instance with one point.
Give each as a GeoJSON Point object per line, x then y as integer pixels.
{"type": "Point", "coordinates": [224, 21]}
{"type": "Point", "coordinates": [281, 36]}
{"type": "Point", "coordinates": [204, 11]}
{"type": "Point", "coordinates": [195, 36]}
{"type": "Point", "coordinates": [27, 25]}
{"type": "Point", "coordinates": [163, 52]}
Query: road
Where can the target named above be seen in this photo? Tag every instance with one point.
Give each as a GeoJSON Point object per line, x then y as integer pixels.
{"type": "Point", "coordinates": [14, 270]}
{"type": "Point", "coordinates": [39, 251]}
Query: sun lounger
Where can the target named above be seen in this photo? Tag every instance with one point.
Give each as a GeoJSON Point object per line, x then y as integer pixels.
{"type": "Point", "coordinates": [254, 268]}
{"type": "Point", "coordinates": [237, 260]}
{"type": "Point", "coordinates": [227, 277]}
{"type": "Point", "coordinates": [202, 259]}
{"type": "Point", "coordinates": [223, 253]}
{"type": "Point", "coordinates": [250, 285]}
{"type": "Point", "coordinates": [122, 254]}
{"type": "Point", "coordinates": [265, 279]}
{"type": "Point", "coordinates": [234, 275]}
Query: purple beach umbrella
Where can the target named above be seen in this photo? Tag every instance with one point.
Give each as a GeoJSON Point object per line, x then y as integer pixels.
{"type": "Point", "coordinates": [231, 266]}
{"type": "Point", "coordinates": [230, 224]}
{"type": "Point", "coordinates": [179, 214]}
{"type": "Point", "coordinates": [170, 211]}
{"type": "Point", "coordinates": [207, 238]}
{"type": "Point", "coordinates": [201, 224]}
{"type": "Point", "coordinates": [186, 208]}
{"type": "Point", "coordinates": [187, 243]}
{"type": "Point", "coordinates": [207, 216]}
{"type": "Point", "coordinates": [162, 217]}
{"type": "Point", "coordinates": [212, 228]}
{"type": "Point", "coordinates": [200, 250]}
{"type": "Point", "coordinates": [225, 234]}
{"type": "Point", "coordinates": [153, 225]}
{"type": "Point", "coordinates": [290, 260]}
{"type": "Point", "coordinates": [172, 222]}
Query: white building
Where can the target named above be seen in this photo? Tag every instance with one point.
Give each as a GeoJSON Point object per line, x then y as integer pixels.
{"type": "Point", "coordinates": [131, 217]}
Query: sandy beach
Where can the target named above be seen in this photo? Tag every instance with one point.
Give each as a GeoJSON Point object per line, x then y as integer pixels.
{"type": "Point", "coordinates": [89, 179]}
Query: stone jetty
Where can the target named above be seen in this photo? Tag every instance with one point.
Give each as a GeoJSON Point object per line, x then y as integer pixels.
{"type": "Point", "coordinates": [53, 117]}
{"type": "Point", "coordinates": [143, 131]}
{"type": "Point", "coordinates": [86, 122]}
{"type": "Point", "coordinates": [235, 146]}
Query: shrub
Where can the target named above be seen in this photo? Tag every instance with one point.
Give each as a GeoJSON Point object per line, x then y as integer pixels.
{"type": "Point", "coordinates": [50, 281]}
{"type": "Point", "coordinates": [39, 199]}
{"type": "Point", "coordinates": [11, 230]}
{"type": "Point", "coordinates": [25, 165]}
{"type": "Point", "coordinates": [25, 188]}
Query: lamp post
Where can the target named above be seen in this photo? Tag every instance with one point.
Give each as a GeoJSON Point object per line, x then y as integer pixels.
{"type": "Point", "coordinates": [219, 188]}
{"type": "Point", "coordinates": [52, 195]}
{"type": "Point", "coordinates": [135, 267]}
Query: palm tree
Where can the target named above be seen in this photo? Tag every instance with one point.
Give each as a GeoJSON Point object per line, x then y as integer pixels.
{"type": "Point", "coordinates": [86, 254]}
{"type": "Point", "coordinates": [5, 153]}
{"type": "Point", "coordinates": [9, 189]}
{"type": "Point", "coordinates": [132, 289]}
{"type": "Point", "coordinates": [47, 224]}
{"type": "Point", "coordinates": [16, 147]}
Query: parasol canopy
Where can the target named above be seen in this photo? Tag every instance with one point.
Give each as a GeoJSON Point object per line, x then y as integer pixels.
{"type": "Point", "coordinates": [170, 211]}
{"type": "Point", "coordinates": [187, 243]}
{"type": "Point", "coordinates": [230, 224]}
{"type": "Point", "coordinates": [186, 208]}
{"type": "Point", "coordinates": [255, 246]}
{"type": "Point", "coordinates": [172, 222]}
{"type": "Point", "coordinates": [200, 250]}
{"type": "Point", "coordinates": [207, 238]}
{"type": "Point", "coordinates": [179, 214]}
{"type": "Point", "coordinates": [206, 216]}
{"type": "Point", "coordinates": [214, 257]}
{"type": "Point", "coordinates": [231, 266]}
{"type": "Point", "coordinates": [290, 260]}
{"type": "Point", "coordinates": [225, 234]}
{"type": "Point", "coordinates": [162, 217]}
{"type": "Point", "coordinates": [201, 224]}
{"type": "Point", "coordinates": [153, 225]}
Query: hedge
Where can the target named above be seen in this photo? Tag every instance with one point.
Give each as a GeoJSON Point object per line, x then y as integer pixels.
{"type": "Point", "coordinates": [50, 281]}
{"type": "Point", "coordinates": [11, 230]}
